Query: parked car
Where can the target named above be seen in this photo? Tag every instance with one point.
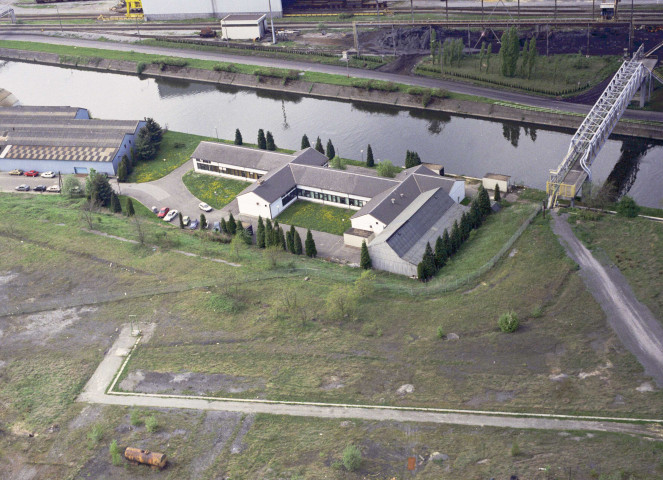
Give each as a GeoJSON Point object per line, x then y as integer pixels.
{"type": "Point", "coordinates": [54, 188]}
{"type": "Point", "coordinates": [216, 227]}
{"type": "Point", "coordinates": [170, 215]}
{"type": "Point", "coordinates": [40, 188]}
{"type": "Point", "coordinates": [248, 227]}
{"type": "Point", "coordinates": [186, 220]}
{"type": "Point", "coordinates": [162, 213]}
{"type": "Point", "coordinates": [31, 173]}
{"type": "Point", "coordinates": [194, 224]}
{"type": "Point", "coordinates": [23, 188]}
{"type": "Point", "coordinates": [48, 175]}
{"type": "Point", "coordinates": [154, 210]}
{"type": "Point", "coordinates": [16, 171]}
{"type": "Point", "coordinates": [204, 207]}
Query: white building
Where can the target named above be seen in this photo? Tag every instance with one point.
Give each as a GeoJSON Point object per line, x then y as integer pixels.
{"type": "Point", "coordinates": [396, 217]}
{"type": "Point", "coordinates": [249, 26]}
{"type": "Point", "coordinates": [179, 9]}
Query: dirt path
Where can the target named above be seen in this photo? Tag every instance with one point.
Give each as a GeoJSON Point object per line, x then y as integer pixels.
{"type": "Point", "coordinates": [632, 321]}
{"type": "Point", "coordinates": [118, 356]}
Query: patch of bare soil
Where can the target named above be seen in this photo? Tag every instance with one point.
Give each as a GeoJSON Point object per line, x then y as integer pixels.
{"type": "Point", "coordinates": [41, 327]}
{"type": "Point", "coordinates": [238, 445]}
{"type": "Point", "coordinates": [402, 65]}
{"type": "Point", "coordinates": [221, 426]}
{"type": "Point", "coordinates": [490, 397]}
{"type": "Point", "coordinates": [337, 39]}
{"type": "Point", "coordinates": [188, 383]}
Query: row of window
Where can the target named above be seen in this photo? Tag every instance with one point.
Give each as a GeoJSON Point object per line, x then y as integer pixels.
{"type": "Point", "coordinates": [205, 165]}
{"type": "Point", "coordinates": [353, 202]}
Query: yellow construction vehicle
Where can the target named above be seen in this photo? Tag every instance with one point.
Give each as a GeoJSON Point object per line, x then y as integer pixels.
{"type": "Point", "coordinates": [134, 9]}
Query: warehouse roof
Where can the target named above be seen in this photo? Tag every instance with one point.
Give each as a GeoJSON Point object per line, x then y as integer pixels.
{"type": "Point", "coordinates": [42, 111]}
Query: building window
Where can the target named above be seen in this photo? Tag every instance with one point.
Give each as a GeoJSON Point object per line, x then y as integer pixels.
{"type": "Point", "coordinates": [202, 166]}
{"type": "Point", "coordinates": [290, 196]}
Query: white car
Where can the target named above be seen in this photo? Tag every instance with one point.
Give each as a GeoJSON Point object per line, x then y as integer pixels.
{"type": "Point", "coordinates": [186, 220]}
{"type": "Point", "coordinates": [170, 215]}
{"type": "Point", "coordinates": [48, 175]}
{"type": "Point", "coordinates": [204, 207]}
{"type": "Point", "coordinates": [53, 188]}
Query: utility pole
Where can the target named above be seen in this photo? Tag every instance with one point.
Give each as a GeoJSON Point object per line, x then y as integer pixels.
{"type": "Point", "coordinates": [587, 52]}
{"type": "Point", "coordinates": [60, 18]}
{"type": "Point", "coordinates": [271, 19]}
{"type": "Point", "coordinates": [630, 32]}
{"type": "Point", "coordinates": [593, 2]}
{"type": "Point", "coordinates": [447, 8]}
{"type": "Point", "coordinates": [555, 10]}
{"type": "Point", "coordinates": [482, 11]}
{"type": "Point", "coordinates": [412, 10]}
{"type": "Point", "coordinates": [518, 10]}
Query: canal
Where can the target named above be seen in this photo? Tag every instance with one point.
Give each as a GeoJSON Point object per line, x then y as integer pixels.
{"type": "Point", "coordinates": [462, 145]}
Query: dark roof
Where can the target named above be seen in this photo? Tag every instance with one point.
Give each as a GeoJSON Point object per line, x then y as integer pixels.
{"type": "Point", "coordinates": [310, 156]}
{"type": "Point", "coordinates": [341, 181]}
{"type": "Point", "coordinates": [386, 206]}
{"type": "Point", "coordinates": [421, 222]}
{"type": "Point", "coordinates": [274, 185]}
{"type": "Point", "coordinates": [245, 157]}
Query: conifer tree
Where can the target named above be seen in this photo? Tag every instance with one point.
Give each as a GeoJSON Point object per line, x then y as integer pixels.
{"type": "Point", "coordinates": [224, 226]}
{"type": "Point", "coordinates": [440, 253]}
{"type": "Point", "coordinates": [305, 142]}
{"type": "Point", "coordinates": [319, 147]}
{"type": "Point", "coordinates": [130, 208]}
{"type": "Point", "coordinates": [181, 219]}
{"type": "Point", "coordinates": [532, 55]}
{"type": "Point", "coordinates": [465, 227]}
{"type": "Point", "coordinates": [203, 221]}
{"type": "Point", "coordinates": [276, 240]}
{"type": "Point", "coordinates": [455, 237]}
{"type": "Point", "coordinates": [446, 243]}
{"type": "Point", "coordinates": [238, 137]}
{"type": "Point", "coordinates": [232, 225]}
{"type": "Point", "coordinates": [270, 142]}
{"type": "Point", "coordinates": [115, 206]}
{"type": "Point", "coordinates": [484, 202]}
{"type": "Point", "coordinates": [475, 214]}
{"type": "Point", "coordinates": [498, 195]}
{"type": "Point", "coordinates": [370, 162]}
{"type": "Point", "coordinates": [122, 171]}
{"type": "Point", "coordinates": [260, 233]}
{"type": "Point", "coordinates": [269, 232]}
{"type": "Point", "coordinates": [331, 151]}
{"type": "Point", "coordinates": [290, 239]}
{"type": "Point", "coordinates": [421, 270]}
{"type": "Point", "coordinates": [282, 241]}
{"type": "Point", "coordinates": [429, 261]}
{"type": "Point", "coordinates": [298, 244]}
{"type": "Point", "coordinates": [365, 261]}
{"type": "Point", "coordinates": [262, 141]}
{"type": "Point", "coordinates": [309, 245]}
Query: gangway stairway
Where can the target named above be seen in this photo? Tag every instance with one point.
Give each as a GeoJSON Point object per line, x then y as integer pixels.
{"type": "Point", "coordinates": [7, 12]}
{"type": "Point", "coordinates": [567, 180]}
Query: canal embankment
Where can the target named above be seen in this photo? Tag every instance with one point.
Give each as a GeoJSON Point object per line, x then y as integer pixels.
{"type": "Point", "coordinates": [482, 108]}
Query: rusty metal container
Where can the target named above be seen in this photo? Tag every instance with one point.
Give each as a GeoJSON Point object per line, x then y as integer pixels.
{"type": "Point", "coordinates": [146, 457]}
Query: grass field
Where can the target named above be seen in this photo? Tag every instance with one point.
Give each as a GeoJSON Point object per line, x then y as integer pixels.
{"type": "Point", "coordinates": [240, 337]}
{"type": "Point", "coordinates": [323, 218]}
{"type": "Point", "coordinates": [635, 246]}
{"type": "Point", "coordinates": [215, 191]}
{"type": "Point", "coordinates": [553, 75]}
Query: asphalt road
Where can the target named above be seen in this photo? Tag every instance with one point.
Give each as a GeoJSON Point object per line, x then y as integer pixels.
{"type": "Point", "coordinates": [633, 322]}
{"type": "Point", "coordinates": [95, 392]}
{"type": "Point", "coordinates": [452, 86]}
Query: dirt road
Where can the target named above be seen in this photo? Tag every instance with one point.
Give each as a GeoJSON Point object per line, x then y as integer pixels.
{"type": "Point", "coordinates": [116, 359]}
{"type": "Point", "coordinates": [633, 322]}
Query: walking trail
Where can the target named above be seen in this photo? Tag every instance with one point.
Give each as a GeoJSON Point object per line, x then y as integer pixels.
{"type": "Point", "coordinates": [633, 322]}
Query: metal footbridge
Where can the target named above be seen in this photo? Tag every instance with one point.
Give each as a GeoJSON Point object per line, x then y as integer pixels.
{"type": "Point", "coordinates": [567, 180]}
{"type": "Point", "coordinates": [7, 12]}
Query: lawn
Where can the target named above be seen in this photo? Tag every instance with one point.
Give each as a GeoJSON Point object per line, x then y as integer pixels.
{"type": "Point", "coordinates": [175, 150]}
{"type": "Point", "coordinates": [322, 218]}
{"type": "Point", "coordinates": [277, 338]}
{"type": "Point", "coordinates": [554, 75]}
{"type": "Point", "coordinates": [215, 191]}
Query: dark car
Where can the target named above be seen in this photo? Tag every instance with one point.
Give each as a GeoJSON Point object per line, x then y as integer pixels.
{"type": "Point", "coordinates": [216, 227]}
{"type": "Point", "coordinates": [163, 212]}
{"type": "Point", "coordinates": [40, 188]}
{"type": "Point", "coordinates": [194, 224]}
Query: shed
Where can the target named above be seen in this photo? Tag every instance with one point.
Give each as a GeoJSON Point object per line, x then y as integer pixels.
{"type": "Point", "coordinates": [243, 27]}
{"type": "Point", "coordinates": [491, 179]}
{"type": "Point", "coordinates": [354, 237]}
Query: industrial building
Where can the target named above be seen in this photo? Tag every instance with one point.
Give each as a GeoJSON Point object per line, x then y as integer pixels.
{"type": "Point", "coordinates": [249, 26]}
{"type": "Point", "coordinates": [63, 139]}
{"type": "Point", "coordinates": [396, 217]}
{"type": "Point", "coordinates": [177, 9]}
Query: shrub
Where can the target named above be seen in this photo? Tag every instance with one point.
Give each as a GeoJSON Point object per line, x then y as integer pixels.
{"type": "Point", "coordinates": [425, 99]}
{"type": "Point", "coordinates": [387, 169]}
{"type": "Point", "coordinates": [140, 67]}
{"type": "Point", "coordinates": [351, 458]}
{"type": "Point", "coordinates": [225, 67]}
{"type": "Point", "coordinates": [116, 457]}
{"type": "Point", "coordinates": [71, 187]}
{"type": "Point", "coordinates": [508, 322]}
{"type": "Point", "coordinates": [627, 207]}
{"type": "Point", "coordinates": [152, 424]}
{"type": "Point", "coordinates": [515, 449]}
{"type": "Point", "coordinates": [345, 15]}
{"type": "Point", "coordinates": [440, 333]}
{"type": "Point", "coordinates": [135, 418]}
{"type": "Point", "coordinates": [365, 284]}
{"type": "Point", "coordinates": [95, 435]}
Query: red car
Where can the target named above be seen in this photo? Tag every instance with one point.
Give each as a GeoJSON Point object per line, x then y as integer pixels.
{"type": "Point", "coordinates": [31, 173]}
{"type": "Point", "coordinates": [162, 213]}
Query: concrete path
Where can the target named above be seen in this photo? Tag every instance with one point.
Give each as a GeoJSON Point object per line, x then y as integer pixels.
{"type": "Point", "coordinates": [633, 322]}
{"type": "Point", "coordinates": [118, 356]}
{"type": "Point", "coordinates": [452, 86]}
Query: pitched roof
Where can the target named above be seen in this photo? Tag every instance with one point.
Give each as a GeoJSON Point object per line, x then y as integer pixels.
{"type": "Point", "coordinates": [341, 181]}
{"type": "Point", "coordinates": [245, 157]}
{"type": "Point", "coordinates": [273, 185]}
{"type": "Point", "coordinates": [423, 220]}
{"type": "Point", "coordinates": [43, 111]}
{"type": "Point", "coordinates": [414, 181]}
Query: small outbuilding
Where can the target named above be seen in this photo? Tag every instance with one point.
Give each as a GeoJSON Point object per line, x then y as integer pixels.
{"type": "Point", "coordinates": [492, 179]}
{"type": "Point", "coordinates": [243, 27]}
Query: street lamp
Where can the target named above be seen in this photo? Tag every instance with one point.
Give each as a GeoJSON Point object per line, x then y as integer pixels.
{"type": "Point", "coordinates": [362, 155]}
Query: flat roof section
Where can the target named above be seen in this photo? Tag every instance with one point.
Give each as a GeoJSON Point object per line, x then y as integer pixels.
{"type": "Point", "coordinates": [244, 18]}
{"type": "Point", "coordinates": [41, 111]}
{"type": "Point", "coordinates": [73, 154]}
